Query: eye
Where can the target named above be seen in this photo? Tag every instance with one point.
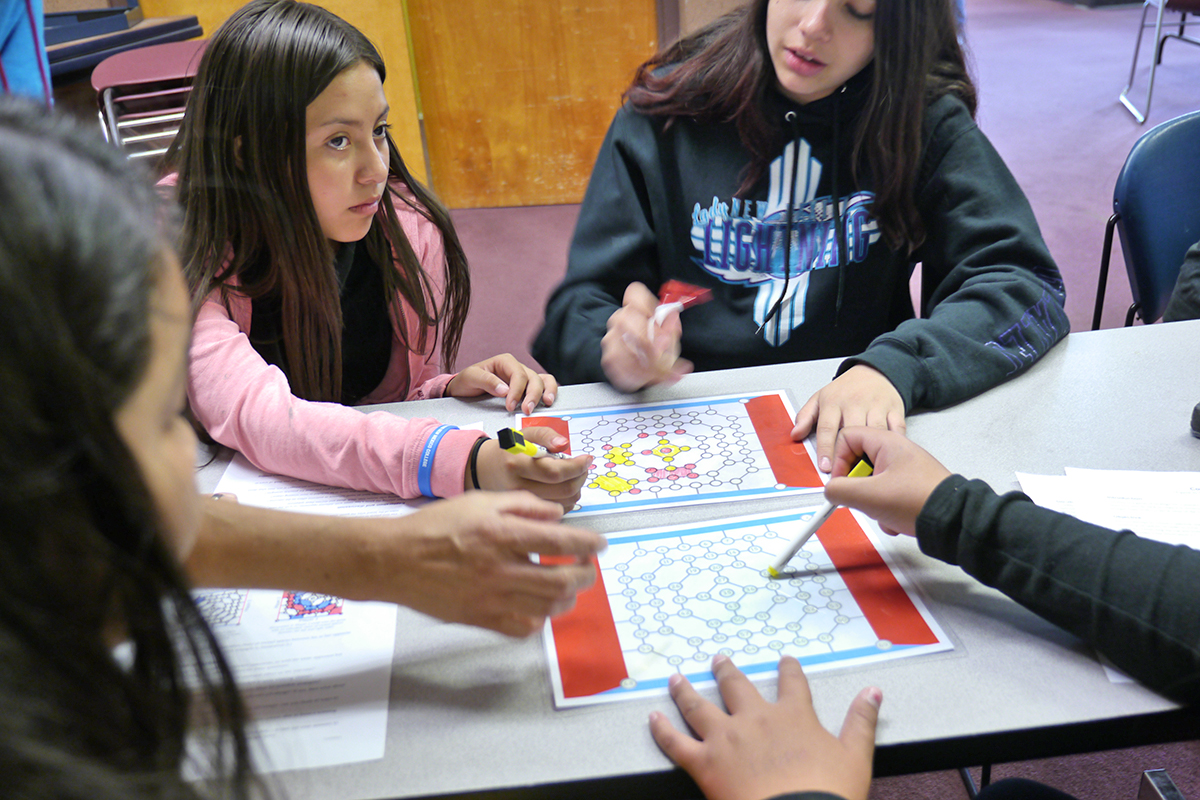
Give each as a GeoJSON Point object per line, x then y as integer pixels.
{"type": "Point", "coordinates": [381, 130]}
{"type": "Point", "coordinates": [861, 15]}
{"type": "Point", "coordinates": [339, 142]}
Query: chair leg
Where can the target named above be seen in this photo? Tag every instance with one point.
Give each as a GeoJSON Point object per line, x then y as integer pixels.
{"type": "Point", "coordinates": [1139, 115]}
{"type": "Point", "coordinates": [985, 778]}
{"type": "Point", "coordinates": [1156, 784]}
{"type": "Point", "coordinates": [968, 783]}
{"type": "Point", "coordinates": [1181, 35]}
{"type": "Point", "coordinates": [1131, 314]}
{"type": "Point", "coordinates": [1102, 283]}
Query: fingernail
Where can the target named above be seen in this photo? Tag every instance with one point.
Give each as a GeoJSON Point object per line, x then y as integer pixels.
{"type": "Point", "coordinates": [549, 398]}
{"type": "Point", "coordinates": [674, 680]}
{"type": "Point", "coordinates": [502, 388]}
{"type": "Point", "coordinates": [719, 659]}
{"type": "Point", "coordinates": [559, 441]}
{"type": "Point", "coordinates": [875, 696]}
{"type": "Point", "coordinates": [826, 464]}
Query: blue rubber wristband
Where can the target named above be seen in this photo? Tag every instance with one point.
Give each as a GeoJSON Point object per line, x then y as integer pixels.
{"type": "Point", "coordinates": [425, 468]}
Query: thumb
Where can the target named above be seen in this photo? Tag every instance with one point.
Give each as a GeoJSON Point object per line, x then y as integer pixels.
{"type": "Point", "coordinates": [545, 436]}
{"type": "Point", "coordinates": [806, 418]}
{"type": "Point", "coordinates": [858, 729]}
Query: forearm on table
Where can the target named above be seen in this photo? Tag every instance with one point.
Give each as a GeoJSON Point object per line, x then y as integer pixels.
{"type": "Point", "coordinates": [247, 547]}
{"type": "Point", "coordinates": [1133, 599]}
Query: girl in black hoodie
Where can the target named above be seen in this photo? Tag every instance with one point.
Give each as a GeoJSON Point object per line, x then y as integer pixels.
{"type": "Point", "coordinates": [739, 138]}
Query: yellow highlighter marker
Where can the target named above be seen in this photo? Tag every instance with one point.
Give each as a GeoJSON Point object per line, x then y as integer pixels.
{"type": "Point", "coordinates": [512, 441]}
{"type": "Point", "coordinates": [862, 469]}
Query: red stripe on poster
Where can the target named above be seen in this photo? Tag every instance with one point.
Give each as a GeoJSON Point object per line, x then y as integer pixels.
{"type": "Point", "coordinates": [881, 597]}
{"type": "Point", "coordinates": [559, 426]}
{"type": "Point", "coordinates": [589, 652]}
{"type": "Point", "coordinates": [789, 460]}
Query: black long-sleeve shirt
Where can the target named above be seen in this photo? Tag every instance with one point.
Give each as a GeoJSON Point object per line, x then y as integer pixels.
{"type": "Point", "coordinates": [1135, 600]}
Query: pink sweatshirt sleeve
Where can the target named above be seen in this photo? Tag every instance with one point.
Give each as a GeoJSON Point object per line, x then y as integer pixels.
{"type": "Point", "coordinates": [246, 403]}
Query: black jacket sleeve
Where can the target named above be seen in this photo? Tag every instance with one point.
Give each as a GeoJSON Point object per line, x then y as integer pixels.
{"type": "Point", "coordinates": [1185, 299]}
{"type": "Point", "coordinates": [1135, 600]}
{"type": "Point", "coordinates": [614, 245]}
{"type": "Point", "coordinates": [992, 296]}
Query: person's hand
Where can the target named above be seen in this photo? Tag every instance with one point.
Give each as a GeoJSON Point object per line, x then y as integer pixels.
{"type": "Point", "coordinates": [634, 353]}
{"type": "Point", "coordinates": [467, 560]}
{"type": "Point", "coordinates": [761, 749]}
{"type": "Point", "coordinates": [504, 376]}
{"type": "Point", "coordinates": [894, 494]}
{"type": "Point", "coordinates": [859, 396]}
{"type": "Point", "coordinates": [557, 479]}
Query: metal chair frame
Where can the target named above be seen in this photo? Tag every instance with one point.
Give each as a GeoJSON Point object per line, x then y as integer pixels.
{"type": "Point", "coordinates": [142, 92]}
{"type": "Point", "coordinates": [1160, 39]}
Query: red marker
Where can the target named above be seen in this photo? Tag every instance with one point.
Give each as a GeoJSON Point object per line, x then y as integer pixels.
{"type": "Point", "coordinates": [675, 295]}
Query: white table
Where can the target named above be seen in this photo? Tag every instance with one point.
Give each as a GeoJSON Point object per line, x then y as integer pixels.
{"type": "Point", "coordinates": [472, 715]}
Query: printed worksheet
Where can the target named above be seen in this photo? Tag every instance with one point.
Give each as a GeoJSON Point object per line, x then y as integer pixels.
{"type": "Point", "coordinates": [668, 599]}
{"type": "Point", "coordinates": [315, 671]}
{"type": "Point", "coordinates": [656, 455]}
{"type": "Point", "coordinates": [253, 487]}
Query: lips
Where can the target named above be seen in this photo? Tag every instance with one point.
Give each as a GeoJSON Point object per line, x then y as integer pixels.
{"type": "Point", "coordinates": [803, 63]}
{"type": "Point", "coordinates": [366, 208]}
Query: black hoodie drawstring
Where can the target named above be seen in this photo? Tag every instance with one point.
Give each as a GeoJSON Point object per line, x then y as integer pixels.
{"type": "Point", "coordinates": [837, 214]}
{"type": "Point", "coordinates": [839, 234]}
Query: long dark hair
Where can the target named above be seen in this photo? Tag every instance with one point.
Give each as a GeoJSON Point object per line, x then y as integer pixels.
{"type": "Point", "coordinates": [247, 211]}
{"type": "Point", "coordinates": [723, 73]}
{"type": "Point", "coordinates": [81, 247]}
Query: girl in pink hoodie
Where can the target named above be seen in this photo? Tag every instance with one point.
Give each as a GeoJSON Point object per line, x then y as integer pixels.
{"type": "Point", "coordinates": [325, 276]}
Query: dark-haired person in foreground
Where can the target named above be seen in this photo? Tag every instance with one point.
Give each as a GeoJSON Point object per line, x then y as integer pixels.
{"type": "Point", "coordinates": [97, 495]}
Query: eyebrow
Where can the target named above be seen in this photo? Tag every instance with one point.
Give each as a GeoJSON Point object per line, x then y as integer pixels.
{"type": "Point", "coordinates": [343, 121]}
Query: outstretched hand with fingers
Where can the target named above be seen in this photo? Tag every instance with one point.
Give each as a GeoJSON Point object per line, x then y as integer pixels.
{"type": "Point", "coordinates": [468, 560]}
{"type": "Point", "coordinates": [760, 749]}
{"type": "Point", "coordinates": [859, 396]}
{"type": "Point", "coordinates": [505, 376]}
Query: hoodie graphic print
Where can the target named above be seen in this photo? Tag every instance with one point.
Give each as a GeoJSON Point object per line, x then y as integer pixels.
{"type": "Point", "coordinates": [741, 242]}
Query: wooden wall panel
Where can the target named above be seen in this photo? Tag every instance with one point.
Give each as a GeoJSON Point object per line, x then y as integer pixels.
{"type": "Point", "coordinates": [517, 94]}
{"type": "Point", "coordinates": [383, 23]}
{"type": "Point", "coordinates": [695, 14]}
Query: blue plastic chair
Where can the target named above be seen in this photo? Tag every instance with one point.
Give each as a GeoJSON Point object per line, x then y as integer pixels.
{"type": "Point", "coordinates": [1156, 210]}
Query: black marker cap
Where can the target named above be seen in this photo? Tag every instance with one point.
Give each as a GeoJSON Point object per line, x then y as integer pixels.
{"type": "Point", "coordinates": [508, 438]}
